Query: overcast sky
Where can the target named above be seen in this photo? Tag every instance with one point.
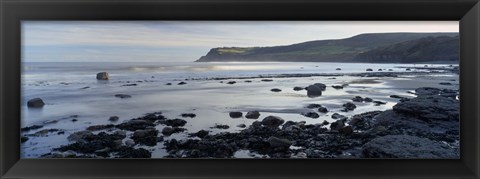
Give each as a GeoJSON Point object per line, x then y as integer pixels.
{"type": "Point", "coordinates": [160, 41]}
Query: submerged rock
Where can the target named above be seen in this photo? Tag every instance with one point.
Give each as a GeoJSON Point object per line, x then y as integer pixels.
{"type": "Point", "coordinates": [322, 109]}
{"type": "Point", "coordinates": [297, 88]}
{"type": "Point", "coordinates": [252, 115]}
{"type": "Point", "coordinates": [231, 82]}
{"type": "Point", "coordinates": [311, 106]}
{"type": "Point", "coordinates": [191, 115]}
{"type": "Point", "coordinates": [182, 83]}
{"type": "Point", "coordinates": [35, 103]}
{"type": "Point", "coordinates": [221, 126]}
{"type": "Point", "coordinates": [311, 115]}
{"type": "Point", "coordinates": [266, 80]}
{"type": "Point", "coordinates": [122, 96]}
{"type": "Point", "coordinates": [337, 86]}
{"type": "Point", "coordinates": [276, 90]}
{"type": "Point", "coordinates": [405, 146]}
{"type": "Point", "coordinates": [26, 129]}
{"type": "Point", "coordinates": [102, 76]}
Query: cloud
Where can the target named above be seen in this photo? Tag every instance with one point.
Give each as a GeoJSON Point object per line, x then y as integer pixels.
{"type": "Point", "coordinates": [187, 40]}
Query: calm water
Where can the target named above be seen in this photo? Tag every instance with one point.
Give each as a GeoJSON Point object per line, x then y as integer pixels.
{"type": "Point", "coordinates": [63, 87]}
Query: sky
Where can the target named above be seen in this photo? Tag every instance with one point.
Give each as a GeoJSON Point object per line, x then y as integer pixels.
{"type": "Point", "coordinates": [185, 41]}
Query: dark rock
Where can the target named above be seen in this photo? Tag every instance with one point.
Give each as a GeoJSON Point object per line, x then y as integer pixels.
{"type": "Point", "coordinates": [337, 86]}
{"type": "Point", "coordinates": [275, 142]}
{"type": "Point", "coordinates": [133, 84]}
{"type": "Point", "coordinates": [122, 96]}
{"type": "Point", "coordinates": [311, 115]}
{"type": "Point", "coordinates": [369, 69]}
{"type": "Point", "coordinates": [252, 115]}
{"type": "Point", "coordinates": [182, 83]}
{"type": "Point", "coordinates": [445, 83]}
{"type": "Point", "coordinates": [276, 90]}
{"type": "Point", "coordinates": [322, 109]}
{"type": "Point", "coordinates": [311, 106]}
{"type": "Point", "coordinates": [113, 118]}
{"type": "Point", "coordinates": [337, 125]}
{"type": "Point", "coordinates": [297, 88]}
{"type": "Point", "coordinates": [321, 86]}
{"type": "Point", "coordinates": [241, 125]}
{"type": "Point", "coordinates": [367, 99]}
{"type": "Point", "coordinates": [235, 114]}
{"type": "Point", "coordinates": [102, 76]}
{"type": "Point", "coordinates": [349, 106]}
{"type": "Point", "coordinates": [363, 121]}
{"type": "Point", "coordinates": [129, 152]}
{"type": "Point", "coordinates": [272, 121]}
{"type": "Point", "coordinates": [191, 115]}
{"type": "Point", "coordinates": [168, 84]}
{"type": "Point", "coordinates": [146, 137]}
{"type": "Point", "coordinates": [134, 125]}
{"type": "Point", "coordinates": [26, 129]}
{"type": "Point", "coordinates": [357, 99]}
{"type": "Point", "coordinates": [338, 116]}
{"type": "Point", "coordinates": [379, 69]}
{"type": "Point", "coordinates": [201, 133]}
{"type": "Point", "coordinates": [35, 103]}
{"type": "Point", "coordinates": [221, 126]}
{"type": "Point", "coordinates": [23, 139]}
{"type": "Point", "coordinates": [378, 103]}
{"type": "Point", "coordinates": [431, 107]}
{"type": "Point", "coordinates": [314, 91]}
{"type": "Point", "coordinates": [81, 136]}
{"type": "Point", "coordinates": [248, 81]}
{"type": "Point", "coordinates": [167, 131]}
{"type": "Point", "coordinates": [427, 91]}
{"type": "Point", "coordinates": [174, 122]}
{"type": "Point", "coordinates": [408, 69]}
{"type": "Point", "coordinates": [346, 130]}
{"type": "Point", "coordinates": [405, 146]}
{"type": "Point", "coordinates": [338, 69]}
{"type": "Point", "coordinates": [266, 80]}
{"type": "Point", "coordinates": [325, 123]}
{"type": "Point", "coordinates": [231, 82]}
{"type": "Point", "coordinates": [100, 127]}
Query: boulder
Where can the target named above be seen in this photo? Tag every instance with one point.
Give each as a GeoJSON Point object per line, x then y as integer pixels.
{"type": "Point", "coordinates": [311, 115]}
{"type": "Point", "coordinates": [346, 130]}
{"type": "Point", "coordinates": [321, 86]}
{"type": "Point", "coordinates": [405, 146]}
{"type": "Point", "coordinates": [367, 99]}
{"type": "Point", "coordinates": [433, 107]}
{"type": "Point", "coordinates": [252, 115]}
{"type": "Point", "coordinates": [357, 99]}
{"type": "Point", "coordinates": [279, 143]}
{"type": "Point", "coordinates": [102, 76]}
{"type": "Point", "coordinates": [314, 91]}
{"type": "Point", "coordinates": [349, 106]}
{"type": "Point", "coordinates": [338, 116]}
{"type": "Point", "coordinates": [167, 131]}
{"type": "Point", "coordinates": [322, 109]}
{"type": "Point", "coordinates": [272, 121]}
{"type": "Point", "coordinates": [35, 103]}
{"type": "Point", "coordinates": [174, 122]}
{"type": "Point", "coordinates": [113, 118]}
{"type": "Point", "coordinates": [369, 69]}
{"type": "Point", "coordinates": [241, 125]}
{"type": "Point", "coordinates": [235, 114]}
{"type": "Point", "coordinates": [337, 125]}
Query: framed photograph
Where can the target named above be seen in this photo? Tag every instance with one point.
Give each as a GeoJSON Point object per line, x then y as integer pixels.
{"type": "Point", "coordinates": [239, 89]}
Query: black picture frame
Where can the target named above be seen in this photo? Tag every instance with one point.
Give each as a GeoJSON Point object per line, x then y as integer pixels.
{"type": "Point", "coordinates": [14, 11]}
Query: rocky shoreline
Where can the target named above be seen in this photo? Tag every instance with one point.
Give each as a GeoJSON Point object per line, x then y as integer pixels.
{"type": "Point", "coordinates": [426, 126]}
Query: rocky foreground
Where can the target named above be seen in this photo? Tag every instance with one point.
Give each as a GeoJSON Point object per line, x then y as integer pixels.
{"type": "Point", "coordinates": [426, 126]}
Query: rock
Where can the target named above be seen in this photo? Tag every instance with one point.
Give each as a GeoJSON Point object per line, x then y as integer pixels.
{"type": "Point", "coordinates": [346, 130]}
{"type": "Point", "coordinates": [80, 136]}
{"type": "Point", "coordinates": [367, 99]}
{"type": "Point", "coordinates": [191, 115]}
{"type": "Point", "coordinates": [35, 103]}
{"type": "Point", "coordinates": [297, 88]}
{"type": "Point", "coordinates": [252, 115]}
{"type": "Point", "coordinates": [134, 125]}
{"type": "Point", "coordinates": [74, 120]}
{"type": "Point", "coordinates": [122, 96]}
{"type": "Point", "coordinates": [276, 90]}
{"type": "Point", "coordinates": [337, 86]}
{"type": "Point", "coordinates": [338, 116]}
{"type": "Point", "coordinates": [266, 80]}
{"type": "Point", "coordinates": [349, 106]}
{"type": "Point", "coordinates": [427, 91]}
{"type": "Point", "coordinates": [338, 69]}
{"type": "Point", "coordinates": [325, 123]}
{"type": "Point", "coordinates": [314, 91]}
{"type": "Point", "coordinates": [241, 125]}
{"type": "Point", "coordinates": [113, 118]}
{"type": "Point", "coordinates": [337, 125]}
{"type": "Point", "coordinates": [369, 69]}
{"type": "Point", "coordinates": [235, 114]}
{"type": "Point", "coordinates": [129, 152]}
{"type": "Point", "coordinates": [100, 127]}
{"type": "Point", "coordinates": [231, 82]}
{"type": "Point", "coordinates": [26, 129]}
{"type": "Point", "coordinates": [201, 133]}
{"type": "Point", "coordinates": [405, 146]}
{"type": "Point", "coordinates": [321, 86]}
{"type": "Point", "coordinates": [311, 115]}
{"type": "Point", "coordinates": [133, 84]}
{"type": "Point", "coordinates": [279, 143]}
{"type": "Point", "coordinates": [445, 83]}
{"type": "Point", "coordinates": [221, 126]}
{"type": "Point", "coordinates": [429, 108]}
{"type": "Point", "coordinates": [272, 121]}
{"type": "Point", "coordinates": [146, 137]}
{"type": "Point", "coordinates": [167, 131]}
{"type": "Point", "coordinates": [182, 83]}
{"type": "Point", "coordinates": [102, 76]}
{"type": "Point", "coordinates": [311, 106]}
{"type": "Point", "coordinates": [168, 84]}
{"type": "Point", "coordinates": [357, 99]}
{"type": "Point", "coordinates": [248, 81]}
{"type": "Point", "coordinates": [24, 139]}
{"type": "Point", "coordinates": [390, 69]}
{"type": "Point", "coordinates": [129, 143]}
{"type": "Point", "coordinates": [174, 122]}
{"type": "Point", "coordinates": [322, 109]}
{"type": "Point", "coordinates": [379, 69]}
{"type": "Point", "coordinates": [378, 103]}
{"type": "Point", "coordinates": [363, 121]}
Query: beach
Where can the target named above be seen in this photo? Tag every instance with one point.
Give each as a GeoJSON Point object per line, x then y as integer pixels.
{"type": "Point", "coordinates": [196, 100]}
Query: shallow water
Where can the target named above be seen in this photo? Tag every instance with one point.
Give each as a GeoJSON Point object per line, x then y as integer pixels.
{"type": "Point", "coordinates": [61, 85]}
